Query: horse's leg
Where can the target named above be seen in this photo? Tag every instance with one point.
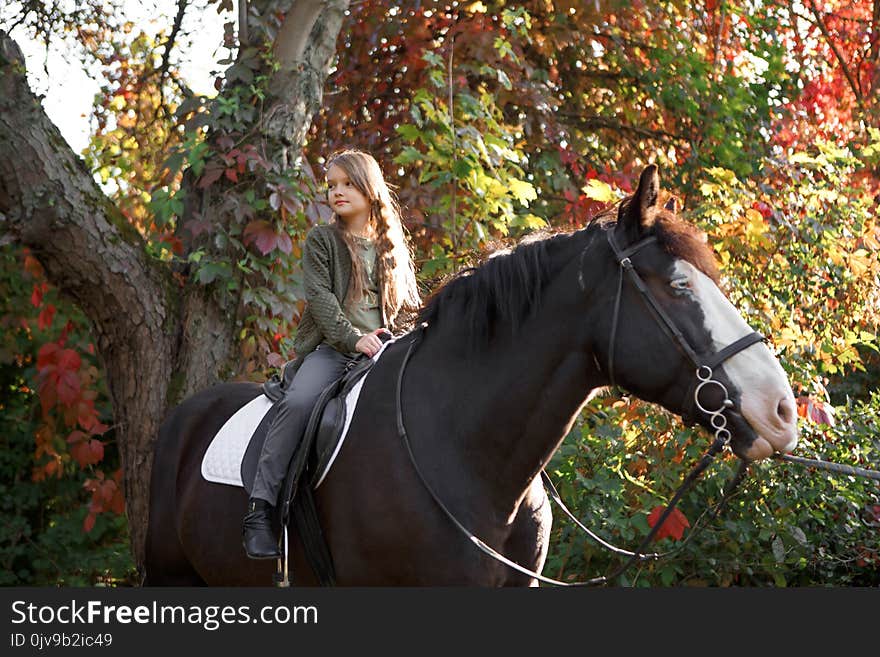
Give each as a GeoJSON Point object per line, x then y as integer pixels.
{"type": "Point", "coordinates": [529, 540]}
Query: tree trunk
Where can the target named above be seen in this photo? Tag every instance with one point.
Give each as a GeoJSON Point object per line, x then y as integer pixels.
{"type": "Point", "coordinates": [157, 339]}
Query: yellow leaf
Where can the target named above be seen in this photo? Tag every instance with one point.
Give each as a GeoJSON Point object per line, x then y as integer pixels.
{"type": "Point", "coordinates": [721, 174]}
{"type": "Point", "coordinates": [523, 191]}
{"type": "Point", "coordinates": [599, 191]}
{"type": "Point", "coordinates": [787, 336]}
{"type": "Point", "coordinates": [707, 188]}
{"type": "Point", "coordinates": [802, 158]}
{"type": "Point", "coordinates": [859, 263]}
{"type": "Point", "coordinates": [533, 221]}
{"type": "Point", "coordinates": [755, 226]}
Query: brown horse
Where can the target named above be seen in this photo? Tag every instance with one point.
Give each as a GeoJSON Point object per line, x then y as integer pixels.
{"type": "Point", "coordinates": [511, 351]}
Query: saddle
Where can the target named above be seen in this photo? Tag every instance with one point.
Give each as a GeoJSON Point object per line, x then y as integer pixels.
{"type": "Point", "coordinates": [311, 457]}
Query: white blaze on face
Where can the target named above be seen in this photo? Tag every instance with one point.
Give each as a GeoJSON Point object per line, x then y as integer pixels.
{"type": "Point", "coordinates": [767, 401]}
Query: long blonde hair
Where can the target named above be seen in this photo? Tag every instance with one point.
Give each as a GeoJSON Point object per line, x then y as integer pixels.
{"type": "Point", "coordinates": [393, 256]}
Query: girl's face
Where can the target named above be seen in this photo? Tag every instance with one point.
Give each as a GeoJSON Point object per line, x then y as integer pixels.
{"type": "Point", "coordinates": [345, 199]}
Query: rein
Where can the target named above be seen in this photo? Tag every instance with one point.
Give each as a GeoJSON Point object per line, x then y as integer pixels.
{"type": "Point", "coordinates": [830, 466]}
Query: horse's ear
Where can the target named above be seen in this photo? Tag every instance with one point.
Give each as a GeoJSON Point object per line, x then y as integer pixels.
{"type": "Point", "coordinates": [647, 197]}
{"type": "Point", "coordinates": [637, 216]}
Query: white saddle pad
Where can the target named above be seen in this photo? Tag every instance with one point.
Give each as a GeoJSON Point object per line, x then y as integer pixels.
{"type": "Point", "coordinates": [222, 461]}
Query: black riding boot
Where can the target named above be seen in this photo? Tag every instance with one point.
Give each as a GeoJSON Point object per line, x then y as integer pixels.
{"type": "Point", "coordinates": [259, 539]}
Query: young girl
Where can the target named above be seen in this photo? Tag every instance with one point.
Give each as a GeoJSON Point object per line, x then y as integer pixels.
{"type": "Point", "coordinates": [358, 275]}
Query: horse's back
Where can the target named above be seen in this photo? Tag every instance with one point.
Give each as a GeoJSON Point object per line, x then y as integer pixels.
{"type": "Point", "coordinates": [184, 435]}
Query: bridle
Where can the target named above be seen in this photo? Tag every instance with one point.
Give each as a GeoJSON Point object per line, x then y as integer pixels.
{"type": "Point", "coordinates": [704, 373]}
{"type": "Point", "coordinates": [704, 366]}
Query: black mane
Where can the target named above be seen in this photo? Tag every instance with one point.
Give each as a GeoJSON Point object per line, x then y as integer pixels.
{"type": "Point", "coordinates": [503, 289]}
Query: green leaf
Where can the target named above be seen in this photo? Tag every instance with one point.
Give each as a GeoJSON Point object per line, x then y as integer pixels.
{"type": "Point", "coordinates": [409, 155]}
{"type": "Point", "coordinates": [174, 162]}
{"type": "Point", "coordinates": [409, 132]}
{"type": "Point", "coordinates": [462, 168]}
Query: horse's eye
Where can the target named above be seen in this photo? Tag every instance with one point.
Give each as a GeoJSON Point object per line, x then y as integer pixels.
{"type": "Point", "coordinates": [680, 284]}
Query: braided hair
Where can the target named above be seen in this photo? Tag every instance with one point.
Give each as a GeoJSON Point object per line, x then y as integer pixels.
{"type": "Point", "coordinates": [393, 254]}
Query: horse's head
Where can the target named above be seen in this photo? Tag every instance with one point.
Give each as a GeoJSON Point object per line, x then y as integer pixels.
{"type": "Point", "coordinates": [671, 260]}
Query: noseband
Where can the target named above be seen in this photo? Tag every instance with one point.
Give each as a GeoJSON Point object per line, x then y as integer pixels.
{"type": "Point", "coordinates": [704, 366]}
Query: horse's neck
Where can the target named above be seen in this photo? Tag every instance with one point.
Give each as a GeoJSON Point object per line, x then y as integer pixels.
{"type": "Point", "coordinates": [539, 389]}
{"type": "Point", "coordinates": [521, 394]}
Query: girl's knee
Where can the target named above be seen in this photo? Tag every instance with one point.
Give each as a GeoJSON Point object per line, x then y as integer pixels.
{"type": "Point", "coordinates": [298, 400]}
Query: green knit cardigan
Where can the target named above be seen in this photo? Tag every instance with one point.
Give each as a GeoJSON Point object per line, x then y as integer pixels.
{"type": "Point", "coordinates": [326, 267]}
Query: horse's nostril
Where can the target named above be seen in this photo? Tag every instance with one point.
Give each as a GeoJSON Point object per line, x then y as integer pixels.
{"type": "Point", "coordinates": [785, 410]}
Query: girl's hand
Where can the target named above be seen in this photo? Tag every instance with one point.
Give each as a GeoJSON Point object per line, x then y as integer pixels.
{"type": "Point", "coordinates": [370, 344]}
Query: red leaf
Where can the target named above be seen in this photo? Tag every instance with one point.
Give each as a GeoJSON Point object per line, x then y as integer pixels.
{"type": "Point", "coordinates": [263, 234]}
{"type": "Point", "coordinates": [68, 359]}
{"type": "Point", "coordinates": [117, 504]}
{"type": "Point", "coordinates": [198, 226]}
{"type": "Point", "coordinates": [68, 327]}
{"type": "Point", "coordinates": [80, 453]}
{"type": "Point", "coordinates": [87, 452]}
{"type": "Point", "coordinates": [96, 451]}
{"type": "Point", "coordinates": [44, 321]}
{"type": "Point", "coordinates": [98, 429]}
{"type": "Point", "coordinates": [47, 355]}
{"type": "Point", "coordinates": [36, 296]}
{"type": "Point", "coordinates": [212, 174]}
{"type": "Point", "coordinates": [284, 243]}
{"type": "Point", "coordinates": [68, 387]}
{"type": "Point", "coordinates": [108, 490]}
{"type": "Point", "coordinates": [674, 525]}
{"type": "Point", "coordinates": [174, 242]}
{"type": "Point", "coordinates": [33, 267]}
{"type": "Point", "coordinates": [89, 523]}
{"type": "Point", "coordinates": [232, 174]}
{"type": "Point", "coordinates": [48, 395]}
{"type": "Point", "coordinates": [815, 411]}
{"type": "Point", "coordinates": [76, 436]}
{"type": "Point", "coordinates": [821, 414]}
{"type": "Point", "coordinates": [86, 416]}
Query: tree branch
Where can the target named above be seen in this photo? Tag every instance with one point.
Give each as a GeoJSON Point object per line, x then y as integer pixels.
{"type": "Point", "coordinates": [294, 33]}
{"type": "Point", "coordinates": [606, 123]}
{"type": "Point", "coordinates": [243, 32]}
{"type": "Point", "coordinates": [49, 202]}
{"type": "Point", "coordinates": [875, 48]}
{"type": "Point", "coordinates": [169, 44]}
{"type": "Point", "coordinates": [853, 83]}
{"type": "Point", "coordinates": [305, 47]}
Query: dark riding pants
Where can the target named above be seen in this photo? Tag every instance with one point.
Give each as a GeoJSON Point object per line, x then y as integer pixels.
{"type": "Point", "coordinates": [319, 369]}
